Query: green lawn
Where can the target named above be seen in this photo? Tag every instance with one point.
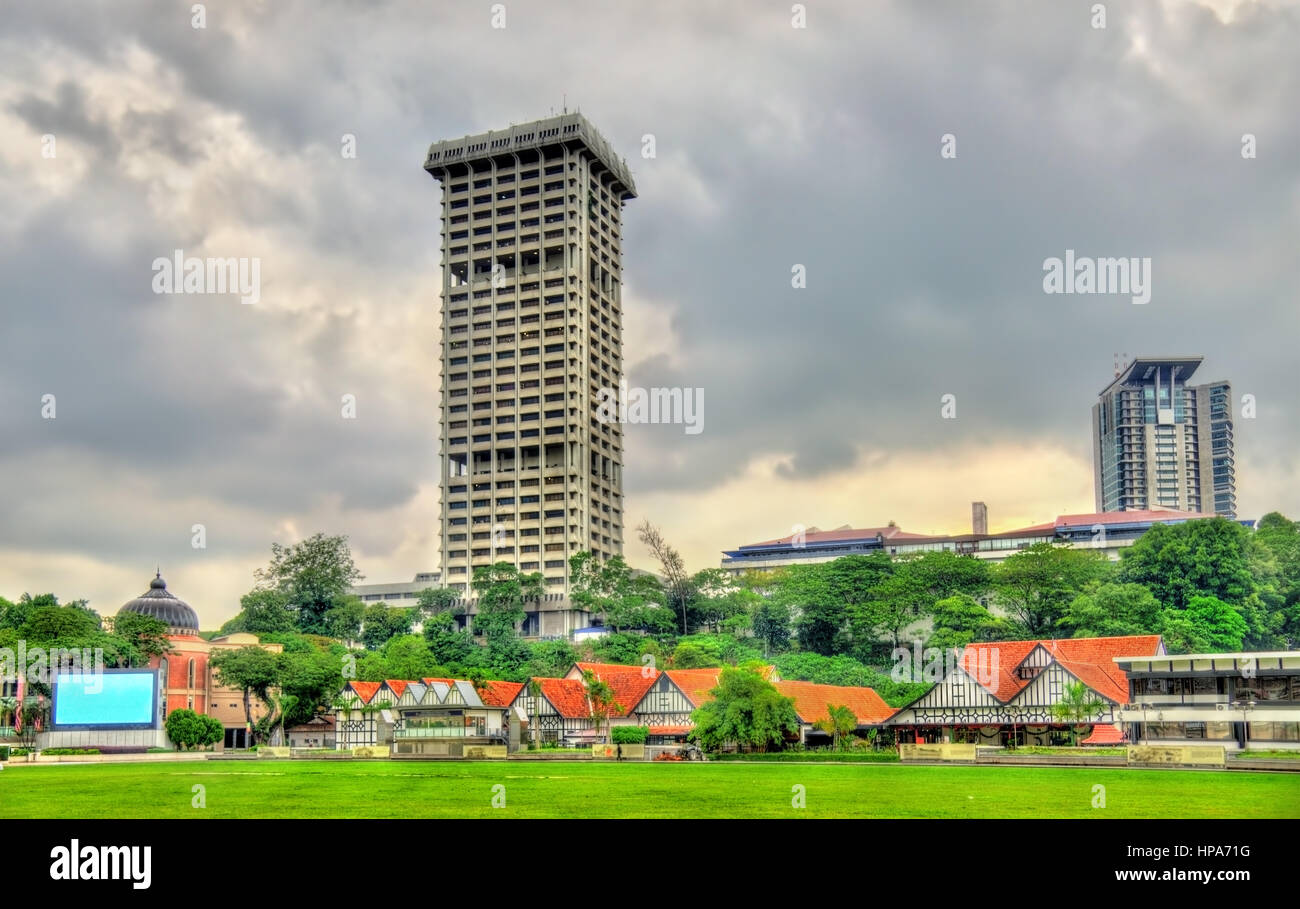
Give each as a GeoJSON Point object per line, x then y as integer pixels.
{"type": "Point", "coordinates": [416, 789]}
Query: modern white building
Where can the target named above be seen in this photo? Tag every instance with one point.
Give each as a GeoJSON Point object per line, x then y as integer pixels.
{"type": "Point", "coordinates": [1238, 700]}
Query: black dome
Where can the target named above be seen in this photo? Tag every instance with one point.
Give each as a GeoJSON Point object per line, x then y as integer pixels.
{"type": "Point", "coordinates": [160, 604]}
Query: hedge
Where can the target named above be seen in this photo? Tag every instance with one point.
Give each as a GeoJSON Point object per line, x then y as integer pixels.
{"type": "Point", "coordinates": [629, 735]}
{"type": "Point", "coordinates": [66, 751]}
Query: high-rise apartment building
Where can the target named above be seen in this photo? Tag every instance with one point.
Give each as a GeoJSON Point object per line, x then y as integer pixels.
{"type": "Point", "coordinates": [1159, 442]}
{"type": "Point", "coordinates": [531, 331]}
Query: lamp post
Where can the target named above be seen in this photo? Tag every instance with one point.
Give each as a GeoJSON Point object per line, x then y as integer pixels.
{"type": "Point", "coordinates": [1247, 704]}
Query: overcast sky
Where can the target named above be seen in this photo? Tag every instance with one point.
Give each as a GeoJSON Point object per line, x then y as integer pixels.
{"type": "Point", "coordinates": [774, 146]}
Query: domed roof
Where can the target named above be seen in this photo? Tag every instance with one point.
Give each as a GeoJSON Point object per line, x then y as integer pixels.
{"type": "Point", "coordinates": [157, 602]}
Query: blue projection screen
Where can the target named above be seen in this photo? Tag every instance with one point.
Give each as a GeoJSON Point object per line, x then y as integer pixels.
{"type": "Point", "coordinates": [109, 699]}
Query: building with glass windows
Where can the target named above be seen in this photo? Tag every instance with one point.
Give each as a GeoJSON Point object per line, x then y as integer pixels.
{"type": "Point", "coordinates": [1108, 532]}
{"type": "Point", "coordinates": [1161, 442]}
{"type": "Point", "coordinates": [1238, 700]}
{"type": "Point", "coordinates": [531, 334]}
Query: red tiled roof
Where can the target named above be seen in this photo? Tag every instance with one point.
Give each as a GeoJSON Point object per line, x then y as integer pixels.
{"type": "Point", "coordinates": [365, 690]}
{"type": "Point", "coordinates": [1104, 734]}
{"type": "Point", "coordinates": [669, 730]}
{"type": "Point", "coordinates": [397, 686]}
{"type": "Point", "coordinates": [499, 694]}
{"type": "Point", "coordinates": [813, 701]}
{"type": "Point", "coordinates": [1090, 660]}
{"type": "Point", "coordinates": [444, 681]}
{"type": "Point", "coordinates": [1123, 517]}
{"type": "Point", "coordinates": [629, 683]}
{"type": "Point", "coordinates": [567, 696]}
{"type": "Point", "coordinates": [697, 683]}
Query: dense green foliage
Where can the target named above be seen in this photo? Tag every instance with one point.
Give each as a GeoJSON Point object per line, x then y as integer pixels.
{"type": "Point", "coordinates": [629, 735]}
{"type": "Point", "coordinates": [187, 729]}
{"type": "Point", "coordinates": [746, 711]}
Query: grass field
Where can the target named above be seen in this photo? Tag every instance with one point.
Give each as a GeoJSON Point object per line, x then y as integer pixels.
{"type": "Point", "coordinates": [417, 789]}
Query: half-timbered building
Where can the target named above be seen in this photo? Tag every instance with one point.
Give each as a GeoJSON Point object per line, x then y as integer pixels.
{"type": "Point", "coordinates": [667, 704]}
{"type": "Point", "coordinates": [435, 717]}
{"type": "Point", "coordinates": [1004, 692]}
{"type": "Point", "coordinates": [812, 703]}
{"type": "Point", "coordinates": [560, 711]}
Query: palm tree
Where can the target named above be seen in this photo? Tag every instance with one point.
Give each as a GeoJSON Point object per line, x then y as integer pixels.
{"type": "Point", "coordinates": [600, 699]}
{"type": "Point", "coordinates": [1077, 706]}
{"type": "Point", "coordinates": [535, 695]}
{"type": "Point", "coordinates": [839, 722]}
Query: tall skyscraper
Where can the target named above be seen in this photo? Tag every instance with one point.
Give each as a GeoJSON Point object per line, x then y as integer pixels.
{"type": "Point", "coordinates": [532, 329]}
{"type": "Point", "coordinates": [1159, 442]}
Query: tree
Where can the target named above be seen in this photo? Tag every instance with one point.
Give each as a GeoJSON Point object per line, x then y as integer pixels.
{"type": "Point", "coordinates": [1037, 585]}
{"type": "Point", "coordinates": [267, 611]}
{"type": "Point", "coordinates": [673, 566]}
{"type": "Point", "coordinates": [312, 679]}
{"type": "Point", "coordinates": [838, 723]}
{"type": "Point", "coordinates": [343, 620]}
{"type": "Point", "coordinates": [1176, 562]}
{"type": "Point", "coordinates": [716, 599]}
{"type": "Point", "coordinates": [819, 616]}
{"type": "Point", "coordinates": [600, 700]}
{"type": "Point", "coordinates": [1207, 625]}
{"type": "Point", "coordinates": [535, 697]}
{"type": "Point", "coordinates": [433, 600]}
{"type": "Point", "coordinates": [143, 637]}
{"type": "Point", "coordinates": [691, 656]}
{"type": "Point", "coordinates": [1112, 610]}
{"type": "Point", "coordinates": [746, 710]}
{"type": "Point", "coordinates": [449, 645]}
{"type": "Point", "coordinates": [1077, 706]}
{"type": "Point", "coordinates": [960, 620]}
{"type": "Point", "coordinates": [187, 729]}
{"type": "Point", "coordinates": [502, 591]}
{"type": "Point", "coordinates": [772, 625]}
{"type": "Point", "coordinates": [1275, 560]}
{"type": "Point", "coordinates": [383, 622]}
{"type": "Point", "coordinates": [407, 656]}
{"type": "Point", "coordinates": [314, 575]}
{"type": "Point", "coordinates": [550, 659]}
{"type": "Point", "coordinates": [251, 670]}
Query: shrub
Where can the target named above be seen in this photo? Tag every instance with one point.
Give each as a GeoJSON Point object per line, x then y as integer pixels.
{"type": "Point", "coordinates": [4, 752]}
{"type": "Point", "coordinates": [629, 735]}
{"type": "Point", "coordinates": [70, 751]}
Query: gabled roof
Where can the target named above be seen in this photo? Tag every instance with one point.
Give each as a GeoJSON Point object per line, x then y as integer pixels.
{"type": "Point", "coordinates": [396, 686]}
{"type": "Point", "coordinates": [1090, 660]}
{"type": "Point", "coordinates": [1104, 734]}
{"type": "Point", "coordinates": [567, 696]}
{"type": "Point", "coordinates": [499, 694]}
{"type": "Point", "coordinates": [695, 684]}
{"type": "Point", "coordinates": [812, 702]}
{"type": "Point", "coordinates": [364, 690]}
{"type": "Point", "coordinates": [629, 683]}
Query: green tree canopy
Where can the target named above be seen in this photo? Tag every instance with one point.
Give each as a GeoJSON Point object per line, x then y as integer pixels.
{"type": "Point", "coordinates": [1177, 562]}
{"type": "Point", "coordinates": [1112, 610]}
{"type": "Point", "coordinates": [1037, 585]}
{"type": "Point", "coordinates": [746, 710]}
{"type": "Point", "coordinates": [383, 622]}
{"type": "Point", "coordinates": [314, 575]}
{"type": "Point", "coordinates": [254, 671]}
{"type": "Point", "coordinates": [502, 591]}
